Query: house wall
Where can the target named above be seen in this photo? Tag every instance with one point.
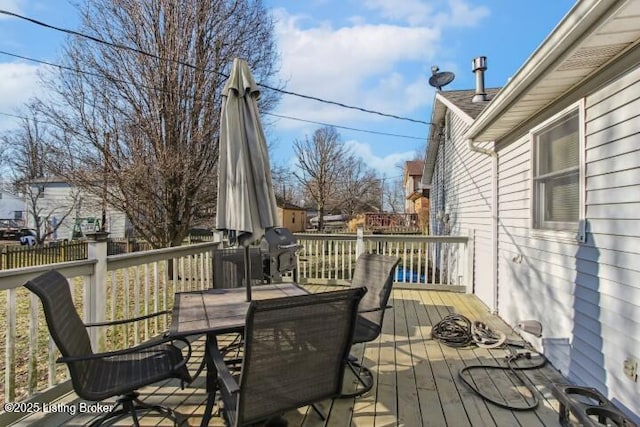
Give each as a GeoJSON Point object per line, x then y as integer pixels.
{"type": "Point", "coordinates": [461, 191]}
{"type": "Point", "coordinates": [292, 219]}
{"type": "Point", "coordinates": [10, 204]}
{"type": "Point", "coordinates": [410, 186]}
{"type": "Point", "coordinates": [58, 199]}
{"type": "Point", "coordinates": [587, 295]}
{"type": "Point", "coordinates": [421, 207]}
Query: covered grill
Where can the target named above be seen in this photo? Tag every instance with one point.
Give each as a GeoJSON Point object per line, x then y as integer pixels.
{"type": "Point", "coordinates": [279, 247]}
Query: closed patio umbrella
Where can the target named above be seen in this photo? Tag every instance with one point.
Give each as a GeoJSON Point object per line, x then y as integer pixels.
{"type": "Point", "coordinates": [246, 200]}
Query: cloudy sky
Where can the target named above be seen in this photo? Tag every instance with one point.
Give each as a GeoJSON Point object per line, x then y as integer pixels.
{"type": "Point", "coordinates": [375, 54]}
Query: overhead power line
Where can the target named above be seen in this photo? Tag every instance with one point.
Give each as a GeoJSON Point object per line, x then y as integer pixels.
{"type": "Point", "coordinates": [142, 52]}
{"type": "Point", "coordinates": [344, 127]}
{"type": "Point", "coordinates": [76, 70]}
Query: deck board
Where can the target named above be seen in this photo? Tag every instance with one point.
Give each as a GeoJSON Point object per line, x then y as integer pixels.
{"type": "Point", "coordinates": [430, 406]}
{"type": "Point", "coordinates": [416, 378]}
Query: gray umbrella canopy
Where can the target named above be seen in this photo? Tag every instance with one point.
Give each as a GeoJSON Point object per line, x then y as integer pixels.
{"type": "Point", "coordinates": [246, 200]}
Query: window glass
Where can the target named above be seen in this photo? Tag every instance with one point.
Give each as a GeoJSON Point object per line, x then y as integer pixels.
{"type": "Point", "coordinates": [556, 175]}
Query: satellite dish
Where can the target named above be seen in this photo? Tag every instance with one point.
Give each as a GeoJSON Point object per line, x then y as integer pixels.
{"type": "Point", "coordinates": [439, 79]}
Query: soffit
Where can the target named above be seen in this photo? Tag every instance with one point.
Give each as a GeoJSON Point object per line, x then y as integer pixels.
{"type": "Point", "coordinates": [609, 32]}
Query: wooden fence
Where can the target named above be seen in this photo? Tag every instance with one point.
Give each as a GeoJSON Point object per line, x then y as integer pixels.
{"type": "Point", "coordinates": [25, 256]}
{"type": "Point", "coordinates": [125, 246]}
{"type": "Point", "coordinates": [14, 256]}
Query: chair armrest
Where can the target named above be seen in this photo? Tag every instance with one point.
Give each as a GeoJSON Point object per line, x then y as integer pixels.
{"type": "Point", "coordinates": [373, 310]}
{"type": "Point", "coordinates": [224, 374]}
{"type": "Point", "coordinates": [121, 322]}
{"type": "Point", "coordinates": [149, 344]}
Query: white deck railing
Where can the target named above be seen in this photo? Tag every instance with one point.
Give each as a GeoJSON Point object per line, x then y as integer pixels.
{"type": "Point", "coordinates": [424, 260]}
{"type": "Point", "coordinates": [104, 288]}
{"type": "Point", "coordinates": [135, 284]}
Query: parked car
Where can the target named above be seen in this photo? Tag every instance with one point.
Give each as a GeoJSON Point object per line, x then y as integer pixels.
{"type": "Point", "coordinates": [27, 237]}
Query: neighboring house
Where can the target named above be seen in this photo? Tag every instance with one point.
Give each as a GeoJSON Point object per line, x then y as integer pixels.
{"type": "Point", "coordinates": [292, 217]}
{"type": "Point", "coordinates": [546, 179]}
{"type": "Point", "coordinates": [11, 206]}
{"type": "Point", "coordinates": [59, 197]}
{"type": "Point", "coordinates": [416, 194]}
{"type": "Point", "coordinates": [331, 222]}
{"type": "Point", "coordinates": [412, 183]}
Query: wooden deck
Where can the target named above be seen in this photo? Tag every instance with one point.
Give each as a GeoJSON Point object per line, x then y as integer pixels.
{"type": "Point", "coordinates": [417, 380]}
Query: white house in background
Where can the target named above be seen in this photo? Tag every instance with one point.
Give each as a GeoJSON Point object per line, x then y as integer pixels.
{"type": "Point", "coordinates": [546, 178]}
{"type": "Point", "coordinates": [59, 198]}
{"type": "Point", "coordinates": [12, 206]}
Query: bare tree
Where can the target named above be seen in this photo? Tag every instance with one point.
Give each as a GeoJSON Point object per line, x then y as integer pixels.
{"type": "Point", "coordinates": [321, 166]}
{"type": "Point", "coordinates": [139, 126]}
{"type": "Point", "coordinates": [28, 157]}
{"type": "Point", "coordinates": [394, 196]}
{"type": "Point", "coordinates": [421, 152]}
{"type": "Point", "coordinates": [358, 187]}
{"type": "Point", "coordinates": [286, 187]}
{"type": "Point", "coordinates": [47, 214]}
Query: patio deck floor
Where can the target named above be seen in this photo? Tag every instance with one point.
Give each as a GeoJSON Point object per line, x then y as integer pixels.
{"type": "Point", "coordinates": [416, 381]}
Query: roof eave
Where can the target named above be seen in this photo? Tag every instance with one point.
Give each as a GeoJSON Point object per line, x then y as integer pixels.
{"type": "Point", "coordinates": [437, 114]}
{"type": "Point", "coordinates": [567, 33]}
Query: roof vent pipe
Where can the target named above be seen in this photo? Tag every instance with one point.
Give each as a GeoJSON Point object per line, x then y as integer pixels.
{"type": "Point", "coordinates": [479, 66]}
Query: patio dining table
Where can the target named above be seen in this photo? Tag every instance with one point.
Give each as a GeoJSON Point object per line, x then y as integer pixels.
{"type": "Point", "coordinates": [219, 311]}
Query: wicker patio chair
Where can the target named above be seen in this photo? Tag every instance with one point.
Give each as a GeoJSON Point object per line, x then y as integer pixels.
{"type": "Point", "coordinates": [295, 353]}
{"type": "Point", "coordinates": [99, 376]}
{"type": "Point", "coordinates": [375, 272]}
{"type": "Point", "coordinates": [228, 268]}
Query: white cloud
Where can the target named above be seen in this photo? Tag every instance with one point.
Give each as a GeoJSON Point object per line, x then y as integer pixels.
{"type": "Point", "coordinates": [415, 12]}
{"type": "Point", "coordinates": [18, 83]}
{"type": "Point", "coordinates": [464, 15]}
{"type": "Point", "coordinates": [394, 93]}
{"type": "Point", "coordinates": [390, 165]}
{"type": "Point", "coordinates": [355, 65]}
{"type": "Point", "coordinates": [418, 12]}
{"type": "Point", "coordinates": [378, 65]}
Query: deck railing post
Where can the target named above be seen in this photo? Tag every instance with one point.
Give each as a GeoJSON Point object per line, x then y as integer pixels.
{"type": "Point", "coordinates": [97, 292]}
{"type": "Point", "coordinates": [359, 242]}
{"type": "Point", "coordinates": [470, 254]}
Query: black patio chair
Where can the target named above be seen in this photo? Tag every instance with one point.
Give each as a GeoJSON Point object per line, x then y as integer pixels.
{"type": "Point", "coordinates": [295, 353]}
{"type": "Point", "coordinates": [375, 272]}
{"type": "Point", "coordinates": [228, 268]}
{"type": "Point", "coordinates": [229, 273]}
{"type": "Point", "coordinates": [99, 376]}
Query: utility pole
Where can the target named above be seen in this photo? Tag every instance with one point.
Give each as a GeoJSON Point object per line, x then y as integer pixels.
{"type": "Point", "coordinates": [382, 194]}
{"type": "Point", "coordinates": [105, 169]}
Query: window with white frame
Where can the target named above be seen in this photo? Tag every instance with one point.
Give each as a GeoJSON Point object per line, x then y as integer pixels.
{"type": "Point", "coordinates": [556, 174]}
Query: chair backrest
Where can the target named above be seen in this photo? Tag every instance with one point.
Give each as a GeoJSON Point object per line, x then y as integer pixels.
{"type": "Point", "coordinates": [296, 349]}
{"type": "Point", "coordinates": [228, 268]}
{"type": "Point", "coordinates": [64, 323]}
{"type": "Point", "coordinates": [375, 272]}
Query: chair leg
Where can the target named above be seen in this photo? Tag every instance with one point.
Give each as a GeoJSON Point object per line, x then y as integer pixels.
{"type": "Point", "coordinates": [317, 410]}
{"type": "Point", "coordinates": [364, 378]}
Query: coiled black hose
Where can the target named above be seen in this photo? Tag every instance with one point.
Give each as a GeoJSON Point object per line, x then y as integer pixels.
{"type": "Point", "coordinates": [453, 330]}
{"type": "Point", "coordinates": [531, 403]}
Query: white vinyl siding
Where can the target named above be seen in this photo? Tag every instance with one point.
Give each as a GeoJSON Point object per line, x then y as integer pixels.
{"type": "Point", "coordinates": [58, 199]}
{"type": "Point", "coordinates": [587, 295]}
{"type": "Point", "coordinates": [461, 192]}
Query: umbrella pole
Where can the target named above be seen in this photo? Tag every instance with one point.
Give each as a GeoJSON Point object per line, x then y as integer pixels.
{"type": "Point", "coordinates": [247, 272]}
